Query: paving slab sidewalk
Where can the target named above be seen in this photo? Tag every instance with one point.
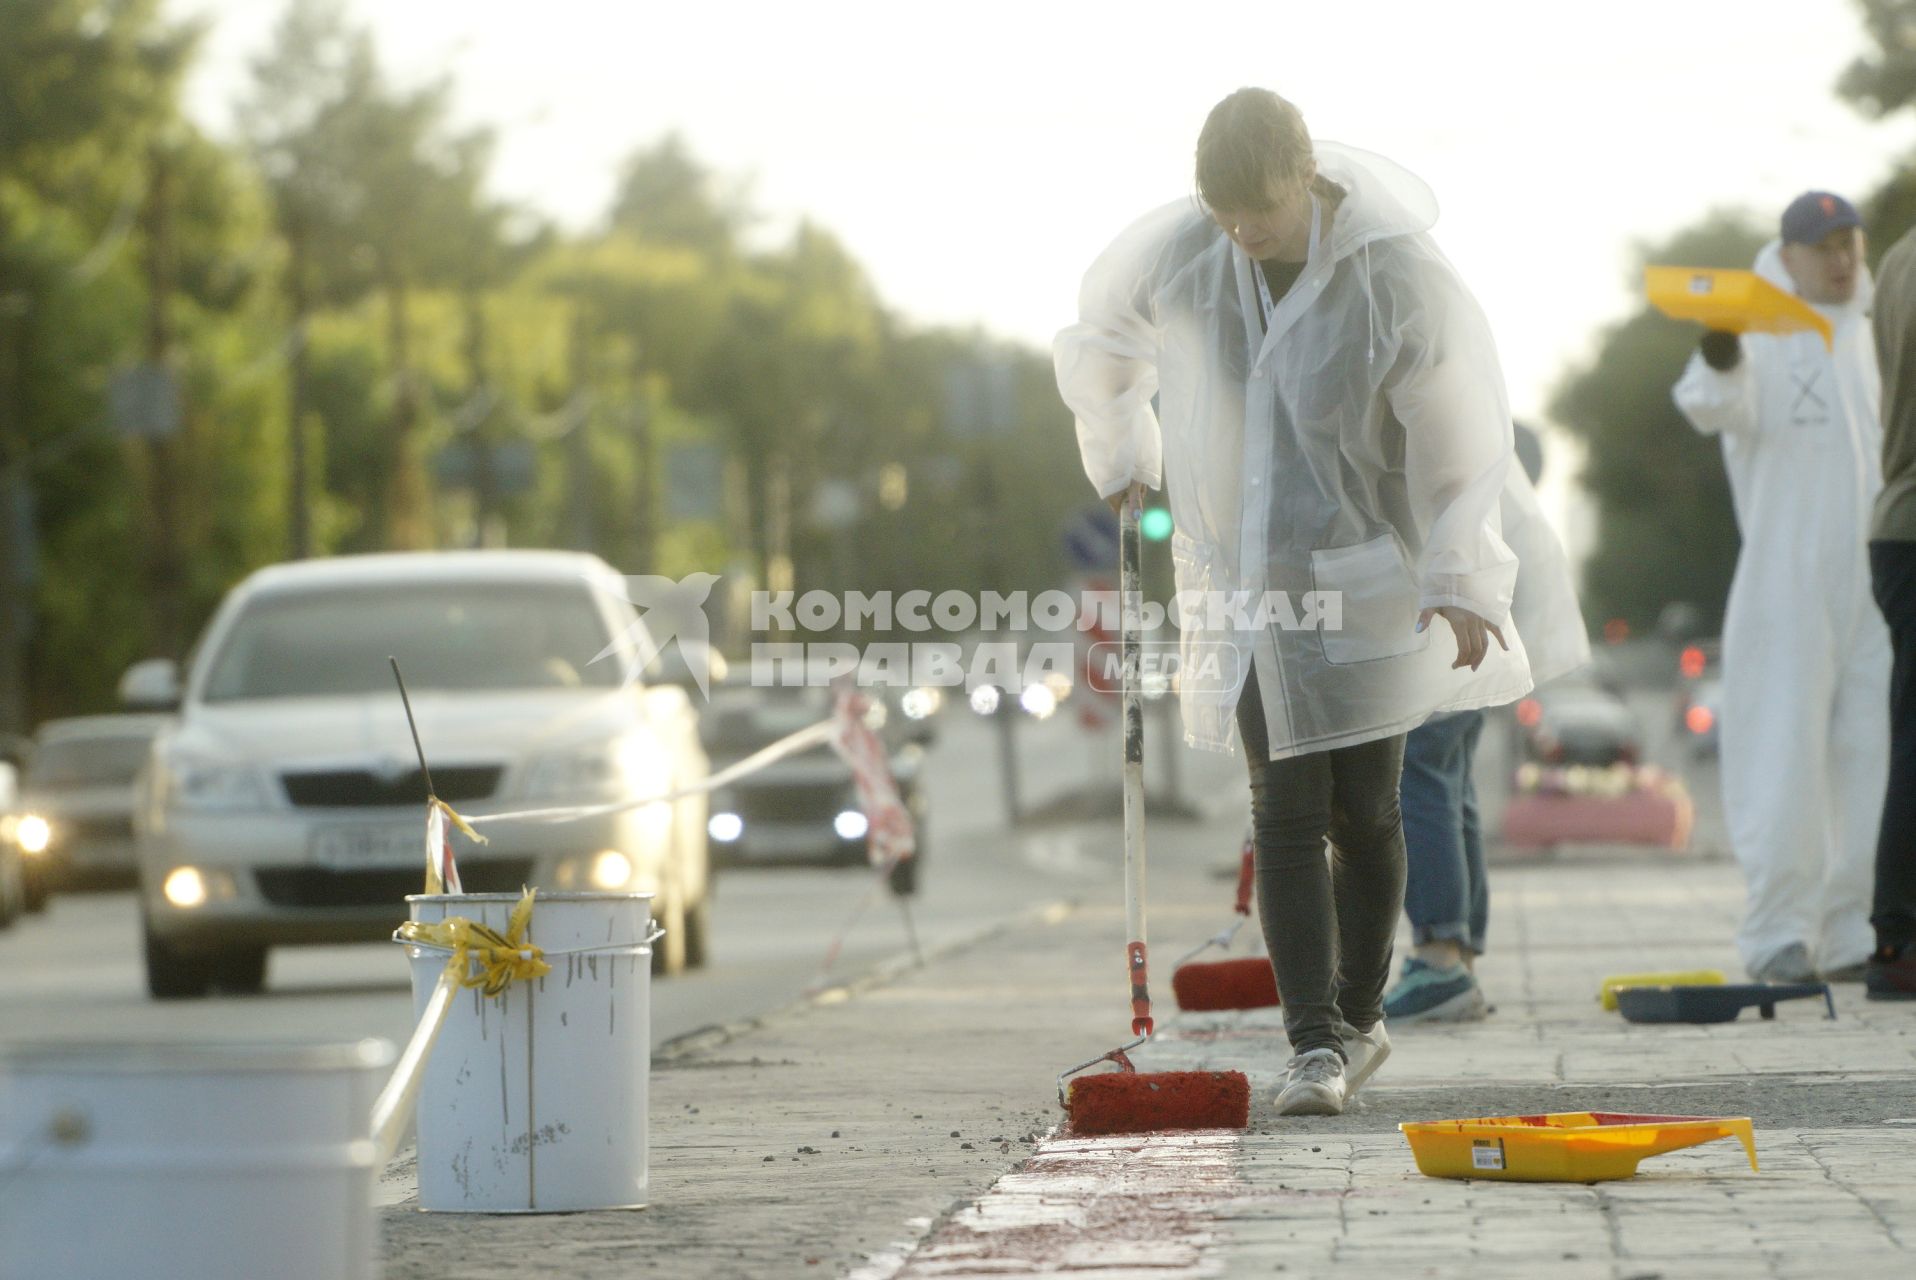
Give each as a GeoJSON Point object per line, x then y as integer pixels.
{"type": "Point", "coordinates": [905, 1129]}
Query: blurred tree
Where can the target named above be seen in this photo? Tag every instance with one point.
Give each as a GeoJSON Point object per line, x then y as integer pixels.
{"type": "Point", "coordinates": [298, 123]}
{"type": "Point", "coordinates": [667, 197]}
{"type": "Point", "coordinates": [1881, 83]}
{"type": "Point", "coordinates": [374, 190]}
{"type": "Point", "coordinates": [1665, 528]}
{"type": "Point", "coordinates": [125, 237]}
{"type": "Point", "coordinates": [1884, 80]}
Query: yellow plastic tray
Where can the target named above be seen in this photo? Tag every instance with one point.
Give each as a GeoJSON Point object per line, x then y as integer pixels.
{"type": "Point", "coordinates": [1566, 1146]}
{"type": "Point", "coordinates": [1607, 996]}
{"type": "Point", "coordinates": [1737, 301]}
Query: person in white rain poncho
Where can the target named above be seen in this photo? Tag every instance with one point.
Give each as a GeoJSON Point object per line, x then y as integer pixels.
{"type": "Point", "coordinates": [1805, 718]}
{"type": "Point", "coordinates": [1330, 424]}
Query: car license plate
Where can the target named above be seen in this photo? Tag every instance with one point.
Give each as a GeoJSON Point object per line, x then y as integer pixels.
{"type": "Point", "coordinates": [350, 848]}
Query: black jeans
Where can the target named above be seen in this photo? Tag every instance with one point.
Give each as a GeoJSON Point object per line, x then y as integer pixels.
{"type": "Point", "coordinates": [1329, 923]}
{"type": "Point", "coordinates": [1892, 568]}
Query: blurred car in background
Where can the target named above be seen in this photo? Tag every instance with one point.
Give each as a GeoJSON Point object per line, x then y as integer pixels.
{"type": "Point", "coordinates": [1579, 719]}
{"type": "Point", "coordinates": [804, 808]}
{"type": "Point", "coordinates": [285, 804]}
{"type": "Point", "coordinates": [75, 820]}
{"type": "Point", "coordinates": [13, 888]}
{"type": "Point", "coordinates": [1699, 697]}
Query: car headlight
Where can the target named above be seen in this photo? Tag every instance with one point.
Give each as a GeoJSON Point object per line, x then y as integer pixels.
{"type": "Point", "coordinates": [605, 771]}
{"type": "Point", "coordinates": [607, 871]}
{"type": "Point", "coordinates": [611, 870]}
{"type": "Point", "coordinates": [190, 887]}
{"type": "Point", "coordinates": [215, 785]}
{"type": "Point", "coordinates": [33, 834]}
{"type": "Point", "coordinates": [921, 703]}
{"type": "Point", "coordinates": [1039, 701]}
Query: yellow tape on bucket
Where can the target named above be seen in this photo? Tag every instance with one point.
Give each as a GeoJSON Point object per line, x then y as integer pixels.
{"type": "Point", "coordinates": [482, 958]}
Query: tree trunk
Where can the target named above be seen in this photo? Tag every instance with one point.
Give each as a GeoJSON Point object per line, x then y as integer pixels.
{"type": "Point", "coordinates": [299, 516]}
{"type": "Point", "coordinates": [579, 524]}
{"type": "Point", "coordinates": [408, 504]}
{"type": "Point", "coordinates": [165, 566]}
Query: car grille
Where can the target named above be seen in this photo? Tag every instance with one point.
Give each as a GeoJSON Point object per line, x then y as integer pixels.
{"type": "Point", "coordinates": [789, 803]}
{"type": "Point", "coordinates": [97, 828]}
{"type": "Point", "coordinates": [344, 788]}
{"type": "Point", "coordinates": [319, 887]}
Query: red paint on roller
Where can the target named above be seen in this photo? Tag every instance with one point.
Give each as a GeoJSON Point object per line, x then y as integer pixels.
{"type": "Point", "coordinates": [1156, 1101]}
{"type": "Point", "coordinates": [1244, 983]}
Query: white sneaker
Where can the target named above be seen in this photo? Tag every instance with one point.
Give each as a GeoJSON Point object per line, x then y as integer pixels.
{"type": "Point", "coordinates": [1364, 1052]}
{"type": "Point", "coordinates": [1790, 964]}
{"type": "Point", "coordinates": [1313, 1085]}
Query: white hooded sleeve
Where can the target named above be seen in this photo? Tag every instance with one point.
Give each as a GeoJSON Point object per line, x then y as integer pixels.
{"type": "Point", "coordinates": [1107, 363]}
{"type": "Point", "coordinates": [1447, 389]}
{"type": "Point", "coordinates": [1718, 403]}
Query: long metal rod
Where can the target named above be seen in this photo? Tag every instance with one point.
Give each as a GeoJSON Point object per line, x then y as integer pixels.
{"type": "Point", "coordinates": [431, 791]}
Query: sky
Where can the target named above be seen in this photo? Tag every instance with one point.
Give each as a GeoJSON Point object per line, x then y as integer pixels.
{"type": "Point", "coordinates": [975, 157]}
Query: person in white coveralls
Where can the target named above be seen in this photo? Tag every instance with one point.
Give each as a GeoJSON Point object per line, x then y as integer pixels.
{"type": "Point", "coordinates": [1804, 728]}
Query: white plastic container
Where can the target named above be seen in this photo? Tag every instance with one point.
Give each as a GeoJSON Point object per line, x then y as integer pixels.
{"type": "Point", "coordinates": [535, 1101]}
{"type": "Point", "coordinates": [187, 1161]}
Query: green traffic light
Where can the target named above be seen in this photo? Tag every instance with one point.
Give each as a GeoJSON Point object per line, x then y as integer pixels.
{"type": "Point", "coordinates": [1155, 524]}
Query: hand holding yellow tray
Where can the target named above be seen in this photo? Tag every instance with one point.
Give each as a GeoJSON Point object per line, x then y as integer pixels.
{"type": "Point", "coordinates": [1734, 301]}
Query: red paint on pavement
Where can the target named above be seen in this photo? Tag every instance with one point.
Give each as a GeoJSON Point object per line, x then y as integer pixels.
{"type": "Point", "coordinates": [1103, 1205]}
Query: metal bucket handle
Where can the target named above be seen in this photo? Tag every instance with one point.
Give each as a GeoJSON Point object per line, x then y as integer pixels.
{"type": "Point", "coordinates": [610, 949]}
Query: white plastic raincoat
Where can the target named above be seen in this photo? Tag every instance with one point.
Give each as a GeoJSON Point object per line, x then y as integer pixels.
{"type": "Point", "coordinates": [1545, 607]}
{"type": "Point", "coordinates": [1359, 447]}
{"type": "Point", "coordinates": [1805, 717]}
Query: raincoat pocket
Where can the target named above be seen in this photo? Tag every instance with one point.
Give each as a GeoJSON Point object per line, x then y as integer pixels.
{"type": "Point", "coordinates": [1378, 598]}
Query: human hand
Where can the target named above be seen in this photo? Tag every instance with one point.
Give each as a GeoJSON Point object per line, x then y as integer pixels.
{"type": "Point", "coordinates": [1721, 350]}
{"type": "Point", "coordinates": [1472, 632]}
{"type": "Point", "coordinates": [1117, 500]}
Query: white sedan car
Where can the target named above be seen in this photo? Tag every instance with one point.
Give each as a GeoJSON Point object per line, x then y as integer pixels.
{"type": "Point", "coordinates": [285, 804]}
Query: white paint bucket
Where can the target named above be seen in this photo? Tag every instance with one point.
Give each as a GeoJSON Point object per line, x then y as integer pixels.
{"type": "Point", "coordinates": [534, 1101]}
{"type": "Point", "coordinates": [173, 1160]}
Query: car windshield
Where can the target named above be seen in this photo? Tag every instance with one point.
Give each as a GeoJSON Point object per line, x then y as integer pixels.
{"type": "Point", "coordinates": [461, 636]}
{"type": "Point", "coordinates": [744, 718]}
{"type": "Point", "coordinates": [87, 762]}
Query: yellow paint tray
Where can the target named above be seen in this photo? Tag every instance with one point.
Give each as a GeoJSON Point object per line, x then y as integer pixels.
{"type": "Point", "coordinates": [1735, 301]}
{"type": "Point", "coordinates": [1565, 1146]}
{"type": "Point", "coordinates": [1607, 995]}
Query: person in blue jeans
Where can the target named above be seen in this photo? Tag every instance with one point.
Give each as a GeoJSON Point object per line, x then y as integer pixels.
{"type": "Point", "coordinates": [1446, 893]}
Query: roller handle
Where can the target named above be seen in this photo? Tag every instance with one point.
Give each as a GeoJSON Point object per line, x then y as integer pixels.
{"type": "Point", "coordinates": [393, 1109]}
{"type": "Point", "coordinates": [1131, 619]}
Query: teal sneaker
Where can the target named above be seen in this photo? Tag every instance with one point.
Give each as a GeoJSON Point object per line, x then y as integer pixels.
{"type": "Point", "coordinates": [1427, 993]}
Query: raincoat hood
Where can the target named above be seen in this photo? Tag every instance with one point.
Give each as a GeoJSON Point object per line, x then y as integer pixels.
{"type": "Point", "coordinates": [1384, 199]}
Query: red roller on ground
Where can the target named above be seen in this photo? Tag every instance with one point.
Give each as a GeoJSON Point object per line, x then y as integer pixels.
{"type": "Point", "coordinates": [1244, 983]}
{"type": "Point", "coordinates": [1158, 1101]}
{"type": "Point", "coordinates": [1124, 1101]}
